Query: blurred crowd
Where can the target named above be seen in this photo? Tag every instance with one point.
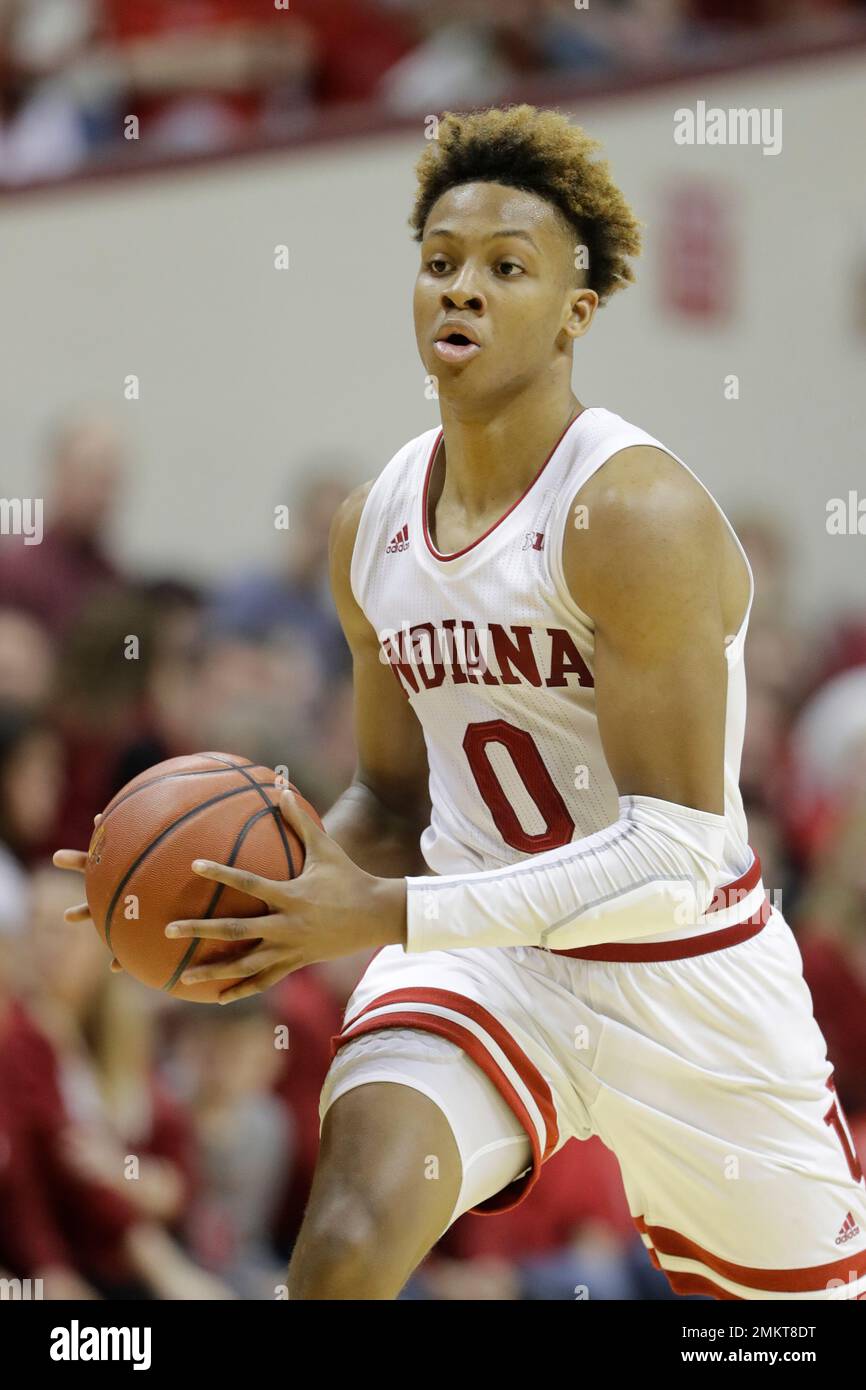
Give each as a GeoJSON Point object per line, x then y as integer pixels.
{"type": "Point", "coordinates": [155, 1149]}
{"type": "Point", "coordinates": [84, 79]}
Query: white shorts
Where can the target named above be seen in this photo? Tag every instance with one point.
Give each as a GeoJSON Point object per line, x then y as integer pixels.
{"type": "Point", "coordinates": [706, 1074]}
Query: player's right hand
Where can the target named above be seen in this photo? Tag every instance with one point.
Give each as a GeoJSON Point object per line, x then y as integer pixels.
{"type": "Point", "coordinates": [76, 860]}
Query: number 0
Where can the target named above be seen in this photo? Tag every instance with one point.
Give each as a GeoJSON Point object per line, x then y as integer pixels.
{"type": "Point", "coordinates": [559, 827]}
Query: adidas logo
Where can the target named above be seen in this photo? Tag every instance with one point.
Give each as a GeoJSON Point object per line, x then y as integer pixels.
{"type": "Point", "coordinates": [400, 541]}
{"type": "Point", "coordinates": [848, 1230]}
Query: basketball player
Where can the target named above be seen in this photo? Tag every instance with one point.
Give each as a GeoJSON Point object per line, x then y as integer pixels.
{"type": "Point", "coordinates": [547, 612]}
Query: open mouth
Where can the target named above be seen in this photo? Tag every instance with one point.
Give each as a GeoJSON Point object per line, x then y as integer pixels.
{"type": "Point", "coordinates": [456, 347]}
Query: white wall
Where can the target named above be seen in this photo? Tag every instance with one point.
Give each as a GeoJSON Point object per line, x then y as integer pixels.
{"type": "Point", "coordinates": [247, 372]}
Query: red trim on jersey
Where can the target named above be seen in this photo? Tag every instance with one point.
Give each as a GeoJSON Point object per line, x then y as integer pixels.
{"type": "Point", "coordinates": [455, 554]}
{"type": "Point", "coordinates": [726, 896]}
{"type": "Point", "coordinates": [729, 894]}
{"type": "Point", "coordinates": [473, 1046]}
{"type": "Point", "coordinates": [676, 950]}
{"type": "Point", "coordinates": [803, 1279]}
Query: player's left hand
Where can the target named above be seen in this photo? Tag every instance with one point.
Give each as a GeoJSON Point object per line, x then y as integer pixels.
{"type": "Point", "coordinates": [332, 908]}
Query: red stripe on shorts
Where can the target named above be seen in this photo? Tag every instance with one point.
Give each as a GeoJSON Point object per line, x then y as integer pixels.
{"type": "Point", "coordinates": [805, 1279]}
{"type": "Point", "coordinates": [474, 1048]}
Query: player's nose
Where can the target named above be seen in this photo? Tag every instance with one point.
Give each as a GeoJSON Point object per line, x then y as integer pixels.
{"type": "Point", "coordinates": [464, 292]}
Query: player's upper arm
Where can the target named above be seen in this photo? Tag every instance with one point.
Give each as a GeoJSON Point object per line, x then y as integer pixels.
{"type": "Point", "coordinates": [647, 570]}
{"type": "Point", "coordinates": [392, 754]}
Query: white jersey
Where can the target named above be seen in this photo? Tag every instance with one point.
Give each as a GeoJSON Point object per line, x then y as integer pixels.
{"type": "Point", "coordinates": [497, 659]}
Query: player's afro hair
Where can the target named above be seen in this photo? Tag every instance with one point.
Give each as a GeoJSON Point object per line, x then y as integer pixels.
{"type": "Point", "coordinates": [540, 152]}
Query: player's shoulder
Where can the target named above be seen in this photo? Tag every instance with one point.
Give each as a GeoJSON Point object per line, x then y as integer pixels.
{"type": "Point", "coordinates": [401, 469]}
{"type": "Point", "coordinates": [644, 517]}
{"type": "Point", "coordinates": [644, 485]}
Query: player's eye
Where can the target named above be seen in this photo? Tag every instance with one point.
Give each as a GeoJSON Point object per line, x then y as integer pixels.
{"type": "Point", "coordinates": [437, 264]}
{"type": "Point", "coordinates": [505, 268]}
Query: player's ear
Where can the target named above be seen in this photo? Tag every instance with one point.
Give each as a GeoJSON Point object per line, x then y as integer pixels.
{"type": "Point", "coordinates": [579, 311]}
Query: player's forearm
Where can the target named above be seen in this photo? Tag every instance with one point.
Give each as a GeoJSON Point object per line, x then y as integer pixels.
{"type": "Point", "coordinates": [378, 840]}
{"type": "Point", "coordinates": [655, 870]}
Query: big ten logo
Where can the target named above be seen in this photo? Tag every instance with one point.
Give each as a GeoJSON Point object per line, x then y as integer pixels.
{"type": "Point", "coordinates": [22, 516]}
{"type": "Point", "coordinates": [281, 1037]}
{"type": "Point", "coordinates": [846, 518]}
{"type": "Point", "coordinates": [282, 259]}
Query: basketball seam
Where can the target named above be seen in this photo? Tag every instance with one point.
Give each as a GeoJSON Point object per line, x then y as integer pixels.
{"type": "Point", "coordinates": [140, 858]}
{"type": "Point", "coordinates": [170, 776]}
{"type": "Point", "coordinates": [190, 951]}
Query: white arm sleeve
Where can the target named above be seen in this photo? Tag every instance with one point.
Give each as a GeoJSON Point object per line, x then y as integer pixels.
{"type": "Point", "coordinates": [654, 869]}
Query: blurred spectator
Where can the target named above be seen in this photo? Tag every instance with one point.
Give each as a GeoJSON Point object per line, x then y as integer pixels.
{"type": "Point", "coordinates": [31, 1242]}
{"type": "Point", "coordinates": [245, 1141]}
{"type": "Point", "coordinates": [30, 781]}
{"type": "Point", "coordinates": [51, 580]}
{"type": "Point", "coordinates": [26, 659]}
{"type": "Point", "coordinates": [296, 599]}
{"type": "Point", "coordinates": [831, 932]}
{"type": "Point", "coordinates": [310, 1005]}
{"type": "Point", "coordinates": [104, 1218]}
{"type": "Point", "coordinates": [826, 760]}
{"type": "Point", "coordinates": [199, 73]}
{"type": "Point", "coordinates": [42, 129]}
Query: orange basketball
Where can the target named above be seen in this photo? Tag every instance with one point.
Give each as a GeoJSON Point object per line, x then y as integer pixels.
{"type": "Point", "coordinates": [138, 877]}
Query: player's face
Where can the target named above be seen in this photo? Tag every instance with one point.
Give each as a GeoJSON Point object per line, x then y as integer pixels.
{"type": "Point", "coordinates": [500, 263]}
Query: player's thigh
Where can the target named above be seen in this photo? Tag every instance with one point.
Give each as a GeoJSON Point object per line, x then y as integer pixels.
{"type": "Point", "coordinates": [388, 1169]}
{"type": "Point", "coordinates": [413, 1134]}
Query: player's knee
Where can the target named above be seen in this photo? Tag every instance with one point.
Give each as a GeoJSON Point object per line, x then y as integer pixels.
{"type": "Point", "coordinates": [341, 1252]}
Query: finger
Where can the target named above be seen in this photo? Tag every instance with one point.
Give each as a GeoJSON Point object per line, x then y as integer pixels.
{"type": "Point", "coordinates": [79, 913]}
{"type": "Point", "coordinates": [221, 928]}
{"type": "Point", "coordinates": [241, 879]}
{"type": "Point", "coordinates": [96, 819]}
{"type": "Point", "coordinates": [241, 969]}
{"type": "Point", "coordinates": [301, 821]}
{"type": "Point", "coordinates": [70, 859]}
{"type": "Point", "coordinates": [261, 982]}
